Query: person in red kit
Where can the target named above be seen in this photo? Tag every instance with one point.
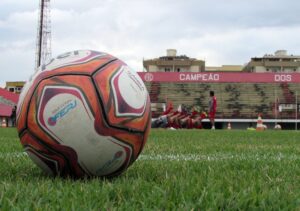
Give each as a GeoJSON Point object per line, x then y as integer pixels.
{"type": "Point", "coordinates": [212, 108]}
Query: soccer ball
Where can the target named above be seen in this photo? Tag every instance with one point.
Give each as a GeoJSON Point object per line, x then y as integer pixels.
{"type": "Point", "coordinates": [84, 114]}
{"type": "Point", "coordinates": [277, 127]}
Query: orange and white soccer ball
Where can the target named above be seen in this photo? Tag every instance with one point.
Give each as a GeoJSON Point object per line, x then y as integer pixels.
{"type": "Point", "coordinates": [86, 113]}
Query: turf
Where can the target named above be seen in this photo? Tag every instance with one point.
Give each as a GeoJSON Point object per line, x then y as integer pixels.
{"type": "Point", "coordinates": [178, 170]}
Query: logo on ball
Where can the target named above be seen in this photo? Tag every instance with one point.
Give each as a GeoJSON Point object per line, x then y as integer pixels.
{"type": "Point", "coordinates": [62, 112]}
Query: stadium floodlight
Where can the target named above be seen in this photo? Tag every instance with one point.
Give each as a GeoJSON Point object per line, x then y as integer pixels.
{"type": "Point", "coordinates": [43, 41]}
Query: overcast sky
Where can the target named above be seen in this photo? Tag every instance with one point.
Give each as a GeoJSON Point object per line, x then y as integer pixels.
{"type": "Point", "coordinates": [219, 31]}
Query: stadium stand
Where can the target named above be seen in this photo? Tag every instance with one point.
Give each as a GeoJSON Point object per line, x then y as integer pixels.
{"type": "Point", "coordinates": [235, 100]}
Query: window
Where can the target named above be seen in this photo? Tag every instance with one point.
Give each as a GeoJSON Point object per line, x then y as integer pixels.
{"type": "Point", "coordinates": [287, 60]}
{"type": "Point", "coordinates": [11, 89]}
{"type": "Point", "coordinates": [257, 59]}
{"type": "Point", "coordinates": [273, 59]}
{"type": "Point", "coordinates": [178, 69]}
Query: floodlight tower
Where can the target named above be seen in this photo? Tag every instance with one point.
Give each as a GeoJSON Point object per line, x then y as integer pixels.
{"type": "Point", "coordinates": [43, 43]}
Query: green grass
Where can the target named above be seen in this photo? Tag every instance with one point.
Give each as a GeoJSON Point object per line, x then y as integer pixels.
{"type": "Point", "coordinates": [178, 170]}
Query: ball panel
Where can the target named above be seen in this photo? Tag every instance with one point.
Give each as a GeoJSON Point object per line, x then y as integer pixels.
{"type": "Point", "coordinates": [134, 139]}
{"type": "Point", "coordinates": [77, 62]}
{"type": "Point", "coordinates": [24, 100]}
{"type": "Point", "coordinates": [60, 159]}
{"type": "Point", "coordinates": [130, 94]}
{"type": "Point", "coordinates": [73, 58]}
{"type": "Point", "coordinates": [49, 166]}
{"type": "Point", "coordinates": [120, 112]}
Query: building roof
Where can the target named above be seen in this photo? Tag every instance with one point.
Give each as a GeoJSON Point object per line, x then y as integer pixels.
{"type": "Point", "coordinates": [5, 110]}
{"type": "Point", "coordinates": [279, 54]}
{"type": "Point", "coordinates": [9, 95]}
{"type": "Point", "coordinates": [15, 83]}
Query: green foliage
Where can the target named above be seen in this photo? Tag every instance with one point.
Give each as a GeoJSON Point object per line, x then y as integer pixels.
{"type": "Point", "coordinates": [178, 170]}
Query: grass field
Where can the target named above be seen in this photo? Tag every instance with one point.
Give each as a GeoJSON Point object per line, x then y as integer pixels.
{"type": "Point", "coordinates": [178, 170]}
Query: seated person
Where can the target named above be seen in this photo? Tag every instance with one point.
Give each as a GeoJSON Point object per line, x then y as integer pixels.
{"type": "Point", "coordinates": [181, 118]}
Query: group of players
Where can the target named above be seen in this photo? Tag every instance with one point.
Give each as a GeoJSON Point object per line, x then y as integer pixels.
{"type": "Point", "coordinates": [183, 118]}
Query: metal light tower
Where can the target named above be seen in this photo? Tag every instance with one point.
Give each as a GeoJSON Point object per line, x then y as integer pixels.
{"type": "Point", "coordinates": [43, 45]}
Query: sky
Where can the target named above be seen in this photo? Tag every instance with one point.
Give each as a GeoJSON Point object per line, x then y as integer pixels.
{"type": "Point", "coordinates": [218, 31]}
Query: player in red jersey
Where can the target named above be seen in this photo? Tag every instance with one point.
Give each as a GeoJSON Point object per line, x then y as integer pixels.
{"type": "Point", "coordinates": [169, 118]}
{"type": "Point", "coordinates": [212, 108]}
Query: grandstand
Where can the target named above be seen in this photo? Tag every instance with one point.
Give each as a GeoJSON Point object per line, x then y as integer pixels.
{"type": "Point", "coordinates": [241, 96]}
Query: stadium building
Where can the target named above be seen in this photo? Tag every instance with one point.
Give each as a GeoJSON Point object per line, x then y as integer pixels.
{"type": "Point", "coordinates": [243, 92]}
{"type": "Point", "coordinates": [15, 86]}
{"type": "Point", "coordinates": [279, 62]}
{"type": "Point", "coordinates": [173, 63]}
{"type": "Point", "coordinates": [8, 101]}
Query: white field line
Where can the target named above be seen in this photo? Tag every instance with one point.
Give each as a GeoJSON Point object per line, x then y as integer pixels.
{"type": "Point", "coordinates": [13, 154]}
{"type": "Point", "coordinates": [193, 157]}
{"type": "Point", "coordinates": [218, 157]}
